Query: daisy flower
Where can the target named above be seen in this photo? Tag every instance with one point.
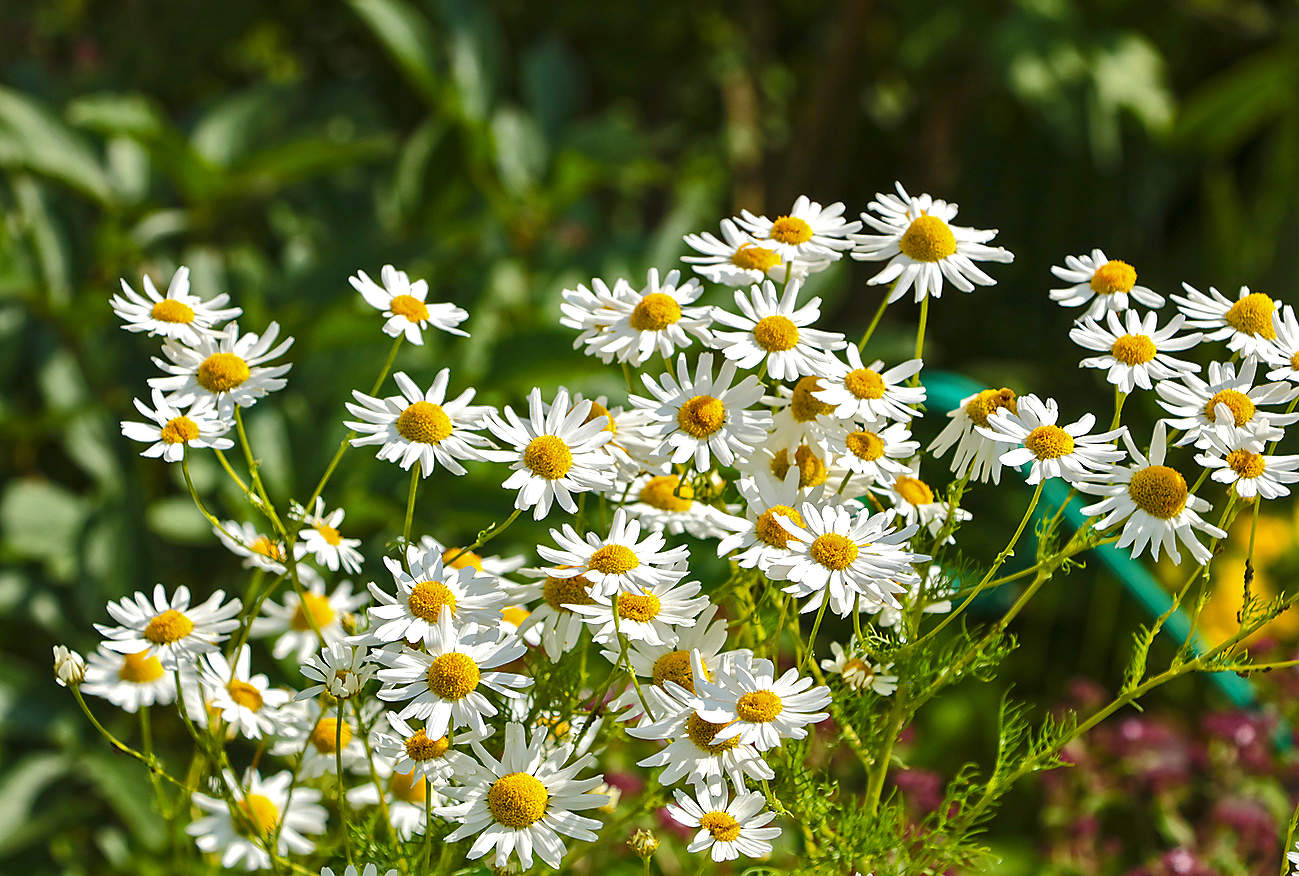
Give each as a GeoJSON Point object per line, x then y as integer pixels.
{"type": "Point", "coordinates": [807, 233]}
{"type": "Point", "coordinates": [656, 318]}
{"type": "Point", "coordinates": [405, 305]}
{"type": "Point", "coordinates": [266, 808]}
{"type": "Point", "coordinates": [420, 426]}
{"type": "Point", "coordinates": [259, 551]}
{"type": "Point", "coordinates": [975, 452]}
{"type": "Point", "coordinates": [315, 735]}
{"type": "Point", "coordinates": [869, 393]}
{"type": "Point", "coordinates": [772, 328]}
{"type": "Point", "coordinates": [915, 502]}
{"type": "Point", "coordinates": [1237, 458]}
{"type": "Point", "coordinates": [1246, 324]}
{"type": "Point", "coordinates": [620, 561]}
{"type": "Point", "coordinates": [1194, 403]}
{"type": "Point", "coordinates": [859, 673]}
{"type": "Point", "coordinates": [246, 702]}
{"type": "Point", "coordinates": [1135, 350]}
{"type": "Point", "coordinates": [589, 310]}
{"type": "Point", "coordinates": [170, 629]}
{"type": "Point", "coordinates": [1104, 285]}
{"type": "Point", "coordinates": [736, 259]}
{"type": "Point", "coordinates": [171, 429]}
{"type": "Point", "coordinates": [1152, 501]}
{"type": "Point", "coordinates": [558, 627]}
{"type": "Point", "coordinates": [523, 802]}
{"type": "Point", "coordinates": [665, 503]}
{"type": "Point", "coordinates": [727, 828]}
{"type": "Point", "coordinates": [301, 623]}
{"type": "Point", "coordinates": [1283, 351]}
{"type": "Point", "coordinates": [923, 247]}
{"type": "Point", "coordinates": [466, 595]}
{"type": "Point", "coordinates": [177, 315]}
{"type": "Point", "coordinates": [412, 752]}
{"type": "Point", "coordinates": [222, 370]}
{"type": "Point", "coordinates": [877, 453]}
{"type": "Point", "coordinates": [704, 417]}
{"type": "Point", "coordinates": [320, 538]}
{"type": "Point", "coordinates": [758, 539]}
{"type": "Point", "coordinates": [648, 614]}
{"type": "Point", "coordinates": [672, 662]}
{"type": "Point", "coordinates": [756, 707]}
{"type": "Point", "coordinates": [340, 670]}
{"type": "Point", "coordinates": [442, 685]}
{"type": "Point", "coordinates": [128, 681]}
{"type": "Point", "coordinates": [554, 453]}
{"type": "Point", "coordinates": [844, 557]}
{"type": "Point", "coordinates": [406, 795]}
{"type": "Point", "coordinates": [459, 558]}
{"type": "Point", "coordinates": [1055, 452]}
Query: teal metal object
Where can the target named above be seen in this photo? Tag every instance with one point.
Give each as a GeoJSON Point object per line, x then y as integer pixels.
{"type": "Point", "coordinates": [945, 393]}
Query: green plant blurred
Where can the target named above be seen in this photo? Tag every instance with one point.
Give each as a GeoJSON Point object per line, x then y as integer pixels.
{"type": "Point", "coordinates": [505, 151]}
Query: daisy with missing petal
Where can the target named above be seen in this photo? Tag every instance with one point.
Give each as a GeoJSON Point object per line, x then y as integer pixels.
{"type": "Point", "coordinates": [1246, 324]}
{"type": "Point", "coordinates": [340, 670]}
{"type": "Point", "coordinates": [171, 629]}
{"type": "Point", "coordinates": [320, 538]}
{"type": "Point", "coordinates": [1152, 501]}
{"type": "Point", "coordinates": [849, 559]}
{"type": "Point", "coordinates": [736, 259]}
{"type": "Point", "coordinates": [222, 370]}
{"type": "Point", "coordinates": [975, 452]}
{"type": "Point", "coordinates": [412, 752]}
{"type": "Point", "coordinates": [704, 417]}
{"type": "Point", "coordinates": [246, 702]}
{"type": "Point", "coordinates": [1283, 351]}
{"type": "Point", "coordinates": [807, 233]}
{"type": "Point", "coordinates": [727, 828]}
{"type": "Point", "coordinates": [659, 318]}
{"type": "Point", "coordinates": [300, 623]}
{"type": "Point", "coordinates": [922, 246]}
{"type": "Point", "coordinates": [758, 708]}
{"type": "Point", "coordinates": [405, 305]}
{"type": "Point", "coordinates": [266, 809]}
{"type": "Point", "coordinates": [1236, 457]}
{"type": "Point", "coordinates": [259, 551]}
{"type": "Point", "coordinates": [877, 453]}
{"type": "Point", "coordinates": [419, 426]}
{"type": "Point", "coordinates": [554, 621]}
{"type": "Point", "coordinates": [858, 673]}
{"type": "Point", "coordinates": [649, 614]}
{"type": "Point", "coordinates": [772, 328]}
{"type": "Point", "coordinates": [128, 681]}
{"type": "Point", "coordinates": [176, 316]}
{"type": "Point", "coordinates": [1136, 351]}
{"type": "Point", "coordinates": [1104, 285]}
{"type": "Point", "coordinates": [869, 393]}
{"type": "Point", "coordinates": [554, 453]}
{"type": "Point", "coordinates": [915, 502]}
{"type": "Point", "coordinates": [1194, 403]}
{"type": "Point", "coordinates": [429, 590]}
{"type": "Point", "coordinates": [174, 429]}
{"type": "Point", "coordinates": [620, 561]}
{"type": "Point", "coordinates": [1066, 452]}
{"type": "Point", "coordinates": [443, 685]}
{"type": "Point", "coordinates": [665, 503]}
{"type": "Point", "coordinates": [523, 802]}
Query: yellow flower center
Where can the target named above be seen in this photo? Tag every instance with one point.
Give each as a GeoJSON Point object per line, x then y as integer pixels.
{"type": "Point", "coordinates": [803, 405]}
{"type": "Point", "coordinates": [776, 333]}
{"type": "Point", "coordinates": [791, 230]}
{"type": "Point", "coordinates": [561, 592]}
{"type": "Point", "coordinates": [769, 529]}
{"type": "Point", "coordinates": [325, 735]}
{"type": "Point", "coordinates": [655, 312]}
{"type": "Point", "coordinates": [259, 812]}
{"type": "Point", "coordinates": [1252, 315]}
{"type": "Point", "coordinates": [865, 445]}
{"type": "Point", "coordinates": [428, 598]}
{"type": "Point", "coordinates": [222, 372]}
{"type": "Point", "coordinates": [927, 239]}
{"type": "Point", "coordinates": [598, 410]}
{"type": "Point", "coordinates": [313, 612]}
{"type": "Point", "coordinates": [1158, 490]}
{"type": "Point", "coordinates": [171, 310]}
{"type": "Point", "coordinates": [517, 800]}
{"type": "Point", "coordinates": [515, 614]}
{"type": "Point", "coordinates": [988, 402]}
{"type": "Point", "coordinates": [856, 666]}
{"type": "Point", "coordinates": [723, 827]}
{"type": "Point", "coordinates": [420, 747]}
{"type": "Point", "coordinates": [1134, 349]}
{"type": "Point", "coordinates": [834, 551]}
{"type": "Point", "coordinates": [463, 559]}
{"type": "Point", "coordinates": [263, 546]}
{"type": "Point", "coordinates": [245, 694]}
{"type": "Point", "coordinates": [640, 607]}
{"type": "Point", "coordinates": [1049, 442]}
{"type": "Point", "coordinates": [404, 786]}
{"type": "Point", "coordinates": [168, 627]}
{"type": "Point", "coordinates": [1294, 362]}
{"type": "Point", "coordinates": [701, 416]}
{"type": "Point", "coordinates": [674, 666]}
{"type": "Point", "coordinates": [614, 559]}
{"type": "Point", "coordinates": [913, 491]}
{"type": "Point", "coordinates": [453, 676]}
{"type": "Point", "coordinates": [661, 492]}
{"type": "Point", "coordinates": [424, 423]}
{"type": "Point", "coordinates": [1240, 405]}
{"type": "Point", "coordinates": [140, 668]}
{"type": "Point", "coordinates": [701, 733]}
{"type": "Point", "coordinates": [331, 535]}
{"type": "Point", "coordinates": [1113, 276]}
{"type": "Point", "coordinates": [179, 430]}
{"type": "Point", "coordinates": [1247, 465]}
{"type": "Point", "coordinates": [754, 258]}
{"type": "Point", "coordinates": [759, 707]}
{"type": "Point", "coordinates": [865, 383]}
{"type": "Point", "coordinates": [410, 307]}
{"type": "Point", "coordinates": [548, 457]}
{"type": "Point", "coordinates": [811, 468]}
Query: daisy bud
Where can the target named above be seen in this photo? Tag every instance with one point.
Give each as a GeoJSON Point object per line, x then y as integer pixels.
{"type": "Point", "coordinates": [69, 667]}
{"type": "Point", "coordinates": [644, 843]}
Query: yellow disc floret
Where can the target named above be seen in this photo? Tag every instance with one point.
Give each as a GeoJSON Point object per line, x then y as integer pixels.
{"type": "Point", "coordinates": [754, 258]}
{"type": "Point", "coordinates": [1113, 276]}
{"type": "Point", "coordinates": [701, 416]}
{"type": "Point", "coordinates": [661, 492]}
{"type": "Point", "coordinates": [420, 747]}
{"type": "Point", "coordinates": [767, 528]}
{"type": "Point", "coordinates": [865, 445]}
{"type": "Point", "coordinates": [1252, 315]}
{"type": "Point", "coordinates": [791, 230]}
{"type": "Point", "coordinates": [245, 694]}
{"type": "Point", "coordinates": [655, 312]}
{"type": "Point", "coordinates": [140, 668]}
{"type": "Point", "coordinates": [701, 733]}
{"type": "Point", "coordinates": [517, 800]}
{"type": "Point", "coordinates": [548, 457]}
{"type": "Point", "coordinates": [265, 547]}
{"type": "Point", "coordinates": [927, 239]}
{"type": "Point", "coordinates": [313, 612]}
{"type": "Point", "coordinates": [597, 411]}
{"type": "Point", "coordinates": [222, 372]}
{"type": "Point", "coordinates": [759, 707]}
{"type": "Point", "coordinates": [171, 310]}
{"type": "Point", "coordinates": [614, 559]}
{"type": "Point", "coordinates": [169, 627]}
{"type": "Point", "coordinates": [864, 383]}
{"type": "Point", "coordinates": [833, 551]}
{"type": "Point", "coordinates": [459, 558]}
{"type": "Point", "coordinates": [325, 735]}
{"type": "Point", "coordinates": [642, 607]}
{"type": "Point", "coordinates": [914, 491]}
{"type": "Point", "coordinates": [562, 592]}
{"type": "Point", "coordinates": [1240, 405]}
{"type": "Point", "coordinates": [259, 813]}
{"type": "Point", "coordinates": [674, 666]}
{"type": "Point", "coordinates": [1158, 490]}
{"type": "Point", "coordinates": [803, 405]}
{"type": "Point", "coordinates": [812, 471]}
{"type": "Point", "coordinates": [330, 535]}
{"type": "Point", "coordinates": [424, 423]}
{"type": "Point", "coordinates": [1247, 465]}
{"type": "Point", "coordinates": [776, 333]}
{"type": "Point", "coordinates": [988, 402]}
{"type": "Point", "coordinates": [410, 307]}
{"type": "Point", "coordinates": [179, 430]}
{"type": "Point", "coordinates": [1134, 349]}
{"type": "Point", "coordinates": [1049, 442]}
{"type": "Point", "coordinates": [723, 827]}
{"type": "Point", "coordinates": [404, 786]}
{"type": "Point", "coordinates": [453, 676]}
{"type": "Point", "coordinates": [428, 598]}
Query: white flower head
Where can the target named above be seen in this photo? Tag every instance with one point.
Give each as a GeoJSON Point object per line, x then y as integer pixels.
{"type": "Point", "coordinates": [737, 259]}
{"type": "Point", "coordinates": [302, 622]}
{"type": "Point", "coordinates": [1066, 452]}
{"type": "Point", "coordinates": [871, 393]}
{"type": "Point", "coordinates": [1135, 349]}
{"type": "Point", "coordinates": [877, 453]}
{"type": "Point", "coordinates": [426, 593]}
{"type": "Point", "coordinates": [1237, 456]}
{"type": "Point", "coordinates": [69, 667]}
{"type": "Point", "coordinates": [631, 325]}
{"type": "Point", "coordinates": [1246, 324]}
{"type": "Point", "coordinates": [808, 233]}
{"type": "Point", "coordinates": [405, 305]}
{"type": "Point", "coordinates": [666, 503]}
{"type": "Point", "coordinates": [758, 708]}
{"type": "Point", "coordinates": [246, 702]}
{"type": "Point", "coordinates": [266, 808]}
{"type": "Point", "coordinates": [622, 560]}
{"type": "Point", "coordinates": [130, 681]}
{"type": "Point", "coordinates": [976, 453]}
{"type": "Point", "coordinates": [1104, 285]}
{"type": "Point", "coordinates": [171, 429]}
{"type": "Point", "coordinates": [858, 673]}
{"type": "Point", "coordinates": [340, 669]}
{"type": "Point", "coordinates": [759, 538]}
{"type": "Point", "coordinates": [650, 614]}
{"type": "Point", "coordinates": [320, 538]}
{"type": "Point", "coordinates": [411, 752]}
{"type": "Point", "coordinates": [1194, 403]}
{"type": "Point", "coordinates": [771, 327]}
{"type": "Point", "coordinates": [554, 624]}
{"type": "Point", "coordinates": [223, 370]}
{"type": "Point", "coordinates": [259, 551]}
{"type": "Point", "coordinates": [727, 828]}
{"type": "Point", "coordinates": [915, 501]}
{"type": "Point", "coordinates": [178, 315]}
{"type": "Point", "coordinates": [169, 627]}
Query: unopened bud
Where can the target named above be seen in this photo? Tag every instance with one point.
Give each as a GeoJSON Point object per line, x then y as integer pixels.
{"type": "Point", "coordinates": [69, 667]}
{"type": "Point", "coordinates": [644, 843]}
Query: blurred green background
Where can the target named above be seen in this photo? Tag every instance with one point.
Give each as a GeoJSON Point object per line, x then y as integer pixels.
{"type": "Point", "coordinates": [505, 151]}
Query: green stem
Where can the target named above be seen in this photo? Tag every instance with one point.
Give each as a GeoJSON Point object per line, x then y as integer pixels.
{"type": "Point", "coordinates": [920, 333]}
{"type": "Point", "coordinates": [410, 511]}
{"type": "Point", "coordinates": [870, 329]}
{"type": "Point", "coordinates": [810, 654]}
{"type": "Point", "coordinates": [342, 788]}
{"type": "Point", "coordinates": [487, 535]}
{"type": "Point", "coordinates": [1119, 399]}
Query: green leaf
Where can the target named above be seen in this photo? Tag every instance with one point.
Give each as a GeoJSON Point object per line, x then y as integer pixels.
{"type": "Point", "coordinates": [33, 137]}
{"type": "Point", "coordinates": [19, 789]}
{"type": "Point", "coordinates": [226, 131]}
{"type": "Point", "coordinates": [107, 113]}
{"type": "Point", "coordinates": [520, 149]}
{"type": "Point", "coordinates": [1236, 104]}
{"type": "Point", "coordinates": [42, 521]}
{"type": "Point", "coordinates": [408, 37]}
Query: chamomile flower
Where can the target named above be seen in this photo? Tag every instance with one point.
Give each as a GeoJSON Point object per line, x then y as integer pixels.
{"type": "Point", "coordinates": [420, 427]}
{"type": "Point", "coordinates": [178, 315]}
{"type": "Point", "coordinates": [588, 310]}
{"type": "Point", "coordinates": [554, 453]}
{"type": "Point", "coordinates": [429, 589]}
{"type": "Point", "coordinates": [922, 246]}
{"type": "Point", "coordinates": [406, 795]}
{"type": "Point", "coordinates": [799, 418]}
{"type": "Point", "coordinates": [269, 810]}
{"type": "Point", "coordinates": [315, 734]}
{"type": "Point", "coordinates": [223, 370]}
{"type": "Point", "coordinates": [807, 233]}
{"type": "Point", "coordinates": [849, 558]}
{"type": "Point", "coordinates": [758, 708]}
{"type": "Point", "coordinates": [169, 628]}
{"type": "Point", "coordinates": [871, 393]}
{"type": "Point", "coordinates": [1153, 503]}
{"type": "Point", "coordinates": [405, 305]}
{"type": "Point", "coordinates": [736, 259]}
{"type": "Point", "coordinates": [1104, 285]}
{"type": "Point", "coordinates": [915, 502]}
{"type": "Point", "coordinates": [259, 551]}
{"type": "Point", "coordinates": [1194, 403]}
{"type": "Point", "coordinates": [340, 669]}
{"type": "Point", "coordinates": [875, 452]}
{"type": "Point", "coordinates": [703, 417]}
{"type": "Point", "coordinates": [320, 538]}
{"type": "Point", "coordinates": [727, 828]}
{"type": "Point", "coordinates": [666, 662]}
{"type": "Point", "coordinates": [1135, 349]}
{"type": "Point", "coordinates": [858, 673]}
{"type": "Point", "coordinates": [772, 328]}
{"type": "Point", "coordinates": [1246, 324]}
{"type": "Point", "coordinates": [976, 453]}
{"type": "Point", "coordinates": [443, 685]}
{"type": "Point", "coordinates": [69, 666]}
{"type": "Point", "coordinates": [1237, 457]}
{"type": "Point", "coordinates": [128, 681]}
{"type": "Point", "coordinates": [523, 802]}
{"type": "Point", "coordinates": [300, 623]}
{"type": "Point", "coordinates": [649, 614]}
{"type": "Point", "coordinates": [666, 503]}
{"type": "Point", "coordinates": [620, 561]}
{"type": "Point", "coordinates": [1066, 452]}
{"type": "Point", "coordinates": [1283, 351]}
{"type": "Point", "coordinates": [411, 751]}
{"type": "Point", "coordinates": [758, 538]}
{"type": "Point", "coordinates": [172, 430]}
{"type": "Point", "coordinates": [557, 625]}
{"type": "Point", "coordinates": [658, 318]}
{"type": "Point", "coordinates": [246, 702]}
{"type": "Point", "coordinates": [459, 558]}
